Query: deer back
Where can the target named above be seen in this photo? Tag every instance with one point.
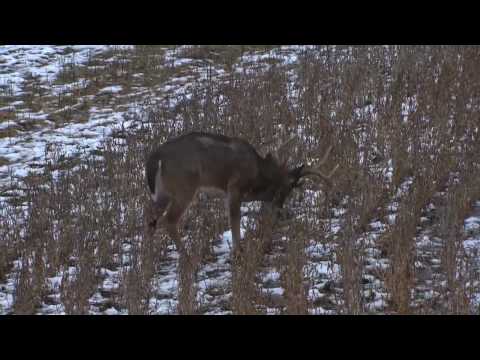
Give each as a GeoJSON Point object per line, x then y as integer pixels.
{"type": "Point", "coordinates": [205, 160]}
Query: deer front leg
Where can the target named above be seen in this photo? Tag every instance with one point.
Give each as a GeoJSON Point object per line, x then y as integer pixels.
{"type": "Point", "coordinates": [234, 212]}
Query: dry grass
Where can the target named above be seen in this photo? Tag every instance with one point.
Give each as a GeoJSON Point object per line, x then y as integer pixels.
{"type": "Point", "coordinates": [81, 220]}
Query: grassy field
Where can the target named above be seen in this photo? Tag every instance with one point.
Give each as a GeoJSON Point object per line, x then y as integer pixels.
{"type": "Point", "coordinates": [398, 233]}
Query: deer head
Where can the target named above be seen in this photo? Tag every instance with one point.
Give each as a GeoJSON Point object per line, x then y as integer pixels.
{"type": "Point", "coordinates": [284, 180]}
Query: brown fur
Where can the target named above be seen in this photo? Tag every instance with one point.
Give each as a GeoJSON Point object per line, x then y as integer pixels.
{"type": "Point", "coordinates": [197, 161]}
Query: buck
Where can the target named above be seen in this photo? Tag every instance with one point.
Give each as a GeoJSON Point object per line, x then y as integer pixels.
{"type": "Point", "coordinates": [183, 166]}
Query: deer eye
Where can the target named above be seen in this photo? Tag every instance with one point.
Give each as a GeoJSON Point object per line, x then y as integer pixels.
{"type": "Point", "coordinates": [293, 183]}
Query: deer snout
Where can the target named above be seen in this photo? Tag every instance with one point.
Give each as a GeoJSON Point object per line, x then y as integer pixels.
{"type": "Point", "coordinates": [150, 228]}
{"type": "Point", "coordinates": [284, 214]}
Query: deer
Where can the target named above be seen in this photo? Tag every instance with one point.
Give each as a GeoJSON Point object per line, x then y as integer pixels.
{"type": "Point", "coordinates": [199, 161]}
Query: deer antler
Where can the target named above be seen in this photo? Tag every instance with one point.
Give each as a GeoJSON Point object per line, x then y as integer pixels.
{"type": "Point", "coordinates": [285, 143]}
{"type": "Point", "coordinates": [306, 171]}
{"type": "Point", "coordinates": [281, 148]}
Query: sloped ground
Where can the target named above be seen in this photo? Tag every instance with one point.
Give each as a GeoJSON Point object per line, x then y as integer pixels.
{"type": "Point", "coordinates": [65, 96]}
{"type": "Point", "coordinates": [339, 260]}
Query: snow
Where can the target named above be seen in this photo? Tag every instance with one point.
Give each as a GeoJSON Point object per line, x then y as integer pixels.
{"type": "Point", "coordinates": [228, 240]}
{"type": "Point", "coordinates": [19, 62]}
{"type": "Point", "coordinates": [39, 60]}
{"type": "Point", "coordinates": [472, 223]}
{"type": "Point", "coordinates": [111, 311]}
{"type": "Point", "coordinates": [472, 243]}
{"type": "Point", "coordinates": [111, 89]}
{"type": "Point", "coordinates": [45, 61]}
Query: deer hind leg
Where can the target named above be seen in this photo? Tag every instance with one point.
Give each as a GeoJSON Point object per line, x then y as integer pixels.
{"type": "Point", "coordinates": [175, 210]}
{"type": "Point", "coordinates": [154, 210]}
{"type": "Point", "coordinates": [161, 205]}
{"type": "Point", "coordinates": [186, 265]}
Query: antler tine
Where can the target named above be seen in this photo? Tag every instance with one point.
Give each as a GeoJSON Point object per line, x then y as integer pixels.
{"type": "Point", "coordinates": [280, 149]}
{"type": "Point", "coordinates": [333, 171]}
{"type": "Point", "coordinates": [325, 156]}
{"type": "Point", "coordinates": [316, 170]}
{"type": "Point", "coordinates": [284, 144]}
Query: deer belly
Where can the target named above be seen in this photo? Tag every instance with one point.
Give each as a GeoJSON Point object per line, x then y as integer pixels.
{"type": "Point", "coordinates": [212, 191]}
